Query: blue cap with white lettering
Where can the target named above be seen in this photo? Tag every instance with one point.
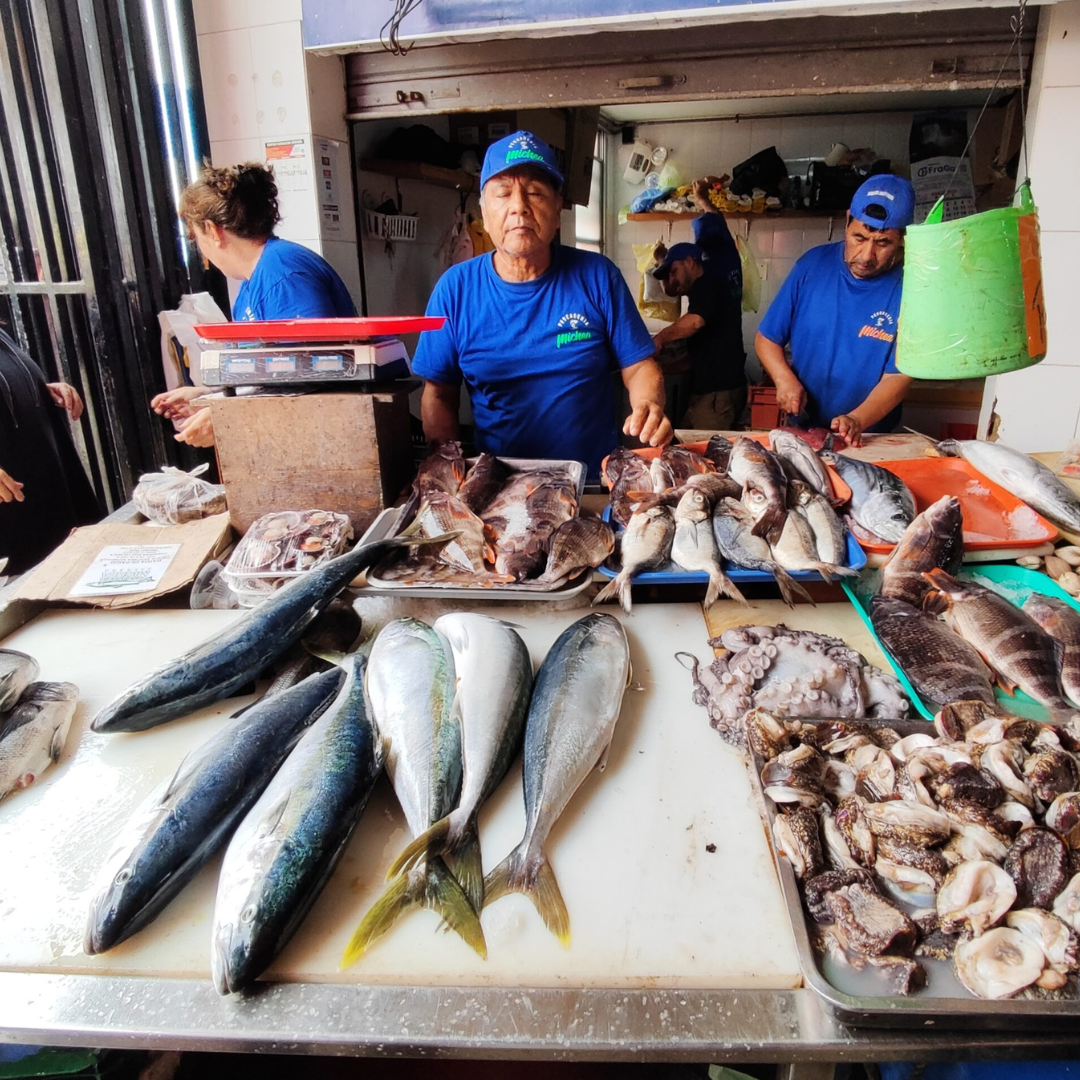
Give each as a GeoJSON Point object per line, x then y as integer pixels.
{"type": "Point", "coordinates": [521, 148]}
{"type": "Point", "coordinates": [884, 202]}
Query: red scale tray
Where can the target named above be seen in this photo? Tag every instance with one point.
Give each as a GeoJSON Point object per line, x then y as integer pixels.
{"type": "Point", "coordinates": [357, 329]}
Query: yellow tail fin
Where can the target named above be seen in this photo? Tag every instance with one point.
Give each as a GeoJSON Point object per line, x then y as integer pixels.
{"type": "Point", "coordinates": [433, 840]}
{"type": "Point", "coordinates": [537, 882]}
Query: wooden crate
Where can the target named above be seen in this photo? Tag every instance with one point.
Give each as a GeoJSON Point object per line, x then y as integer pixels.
{"type": "Point", "coordinates": [345, 452]}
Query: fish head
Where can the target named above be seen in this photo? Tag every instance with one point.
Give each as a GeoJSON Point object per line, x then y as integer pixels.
{"type": "Point", "coordinates": [231, 954]}
{"type": "Point", "coordinates": [945, 517]}
{"type": "Point", "coordinates": [800, 493]}
{"type": "Point", "coordinates": [1047, 611]}
{"type": "Point", "coordinates": [114, 910]}
{"type": "Point", "coordinates": [693, 506]}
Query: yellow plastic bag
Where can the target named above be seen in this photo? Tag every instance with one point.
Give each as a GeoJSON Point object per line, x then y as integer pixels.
{"type": "Point", "coordinates": [663, 310]}
{"type": "Point", "coordinates": [751, 277]}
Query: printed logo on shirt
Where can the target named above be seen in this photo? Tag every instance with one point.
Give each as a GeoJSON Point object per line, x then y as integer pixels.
{"type": "Point", "coordinates": [522, 149]}
{"type": "Point", "coordinates": [880, 326]}
{"type": "Point", "coordinates": [570, 328]}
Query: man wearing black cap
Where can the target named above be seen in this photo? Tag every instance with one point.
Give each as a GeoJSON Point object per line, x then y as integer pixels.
{"type": "Point", "coordinates": [537, 330]}
{"type": "Point", "coordinates": [712, 329]}
{"type": "Point", "coordinates": [837, 312]}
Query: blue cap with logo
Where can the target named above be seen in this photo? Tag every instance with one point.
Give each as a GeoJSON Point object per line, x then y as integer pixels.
{"type": "Point", "coordinates": [521, 148]}
{"type": "Point", "coordinates": [676, 253]}
{"type": "Point", "coordinates": [885, 202]}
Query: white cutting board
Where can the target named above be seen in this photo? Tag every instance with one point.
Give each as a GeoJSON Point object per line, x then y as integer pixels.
{"type": "Point", "coordinates": [649, 905]}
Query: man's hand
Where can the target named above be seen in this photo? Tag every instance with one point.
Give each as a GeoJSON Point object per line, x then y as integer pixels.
{"type": "Point", "coordinates": [176, 404]}
{"type": "Point", "coordinates": [850, 426]}
{"type": "Point", "coordinates": [197, 429]}
{"type": "Point", "coordinates": [649, 424]}
{"type": "Point", "coordinates": [790, 395]}
{"type": "Point", "coordinates": [67, 397]}
{"type": "Point", "coordinates": [10, 489]}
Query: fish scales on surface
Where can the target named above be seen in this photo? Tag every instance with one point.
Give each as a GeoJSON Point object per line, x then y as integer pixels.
{"type": "Point", "coordinates": [718, 452]}
{"type": "Point", "coordinates": [880, 501]}
{"type": "Point", "coordinates": [694, 546]}
{"type": "Point", "coordinates": [1062, 622]}
{"type": "Point", "coordinates": [285, 849]}
{"type": "Point", "coordinates": [683, 463]}
{"type": "Point", "coordinates": [186, 820]}
{"type": "Point", "coordinates": [753, 466]}
{"type": "Point", "coordinates": [33, 733]}
{"type": "Point", "coordinates": [484, 481]}
{"type": "Point", "coordinates": [934, 539]}
{"type": "Point", "coordinates": [795, 548]}
{"type": "Point", "coordinates": [577, 545]}
{"type": "Point", "coordinates": [469, 551]}
{"type": "Point", "coordinates": [575, 704]}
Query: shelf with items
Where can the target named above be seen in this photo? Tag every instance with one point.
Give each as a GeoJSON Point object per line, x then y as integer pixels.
{"type": "Point", "coordinates": [420, 170]}
{"type": "Point", "coordinates": [672, 215]}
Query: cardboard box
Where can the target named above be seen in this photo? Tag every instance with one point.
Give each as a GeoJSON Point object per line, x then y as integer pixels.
{"type": "Point", "coordinates": [55, 577]}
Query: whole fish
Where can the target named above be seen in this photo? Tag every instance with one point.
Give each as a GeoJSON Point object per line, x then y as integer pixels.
{"type": "Point", "coordinates": [684, 463]}
{"type": "Point", "coordinates": [186, 820]}
{"type": "Point", "coordinates": [796, 549]}
{"type": "Point", "coordinates": [753, 466]}
{"type": "Point", "coordinates": [718, 451]}
{"type": "Point", "coordinates": [286, 848]}
{"type": "Point", "coordinates": [483, 482]}
{"type": "Point", "coordinates": [817, 438]}
{"type": "Point", "coordinates": [1015, 647]}
{"type": "Point", "coordinates": [577, 545]}
{"type": "Point", "coordinates": [626, 472]}
{"type": "Point", "coordinates": [522, 517]}
{"type": "Point", "coordinates": [939, 664]}
{"type": "Point", "coordinates": [694, 546]}
{"type": "Point", "coordinates": [1023, 476]}
{"type": "Point", "coordinates": [442, 470]}
{"type": "Point", "coordinates": [1062, 622]}
{"type": "Point", "coordinates": [934, 539]}
{"type": "Point", "coordinates": [713, 486]}
{"type": "Point", "coordinates": [412, 683]}
{"type": "Point", "coordinates": [33, 734]}
{"type": "Point", "coordinates": [572, 715]}
{"type": "Point", "coordinates": [880, 500]}
{"type": "Point", "coordinates": [803, 459]}
{"type": "Point", "coordinates": [829, 535]}
{"type": "Point", "coordinates": [646, 544]}
{"type": "Point", "coordinates": [494, 683]}
{"type": "Point", "coordinates": [17, 672]}
{"type": "Point", "coordinates": [469, 550]}
{"type": "Point", "coordinates": [219, 667]}
{"type": "Point", "coordinates": [733, 528]}
{"type": "Point", "coordinates": [660, 474]}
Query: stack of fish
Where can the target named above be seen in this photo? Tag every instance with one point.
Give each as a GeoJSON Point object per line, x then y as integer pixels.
{"type": "Point", "coordinates": [35, 718]}
{"type": "Point", "coordinates": [756, 508]}
{"type": "Point", "coordinates": [512, 527]}
{"type": "Point", "coordinates": [960, 845]}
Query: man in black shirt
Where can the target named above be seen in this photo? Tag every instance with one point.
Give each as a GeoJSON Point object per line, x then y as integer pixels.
{"type": "Point", "coordinates": [712, 329]}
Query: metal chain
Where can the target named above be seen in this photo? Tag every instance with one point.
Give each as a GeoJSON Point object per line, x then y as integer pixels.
{"type": "Point", "coordinates": [388, 35]}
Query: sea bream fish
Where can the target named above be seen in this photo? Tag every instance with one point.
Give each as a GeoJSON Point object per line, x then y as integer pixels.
{"type": "Point", "coordinates": [442, 470]}
{"type": "Point", "coordinates": [753, 466]}
{"type": "Point", "coordinates": [577, 545]}
{"type": "Point", "coordinates": [803, 459]}
{"type": "Point", "coordinates": [575, 705]}
{"type": "Point", "coordinates": [796, 548]}
{"type": "Point", "coordinates": [17, 672]}
{"type": "Point", "coordinates": [190, 817]}
{"type": "Point", "coordinates": [880, 500]}
{"type": "Point", "coordinates": [646, 544]}
{"type": "Point", "coordinates": [520, 520]}
{"type": "Point", "coordinates": [939, 664]}
{"type": "Point", "coordinates": [718, 451]}
{"type": "Point", "coordinates": [934, 539]}
{"type": "Point", "coordinates": [694, 546]}
{"type": "Point", "coordinates": [684, 463]}
{"type": "Point", "coordinates": [1062, 622]}
{"type": "Point", "coordinates": [494, 683]}
{"type": "Point", "coordinates": [830, 538]}
{"type": "Point", "coordinates": [285, 849]}
{"type": "Point", "coordinates": [32, 735]}
{"type": "Point", "coordinates": [1013, 645]}
{"type": "Point", "coordinates": [440, 514]}
{"type": "Point", "coordinates": [220, 666]}
{"type": "Point", "coordinates": [412, 682]}
{"type": "Point", "coordinates": [625, 472]}
{"type": "Point", "coordinates": [483, 482]}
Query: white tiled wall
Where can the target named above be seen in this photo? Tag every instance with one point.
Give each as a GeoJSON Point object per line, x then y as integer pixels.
{"type": "Point", "coordinates": [1040, 406]}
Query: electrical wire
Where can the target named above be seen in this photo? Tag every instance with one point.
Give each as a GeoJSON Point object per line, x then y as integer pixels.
{"type": "Point", "coordinates": [388, 35]}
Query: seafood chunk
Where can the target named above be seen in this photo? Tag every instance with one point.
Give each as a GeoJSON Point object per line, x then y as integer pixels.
{"type": "Point", "coordinates": [999, 964]}
{"type": "Point", "coordinates": [1063, 816]}
{"type": "Point", "coordinates": [985, 829]}
{"type": "Point", "coordinates": [853, 825]}
{"type": "Point", "coordinates": [837, 851]}
{"type": "Point", "coordinates": [1037, 862]}
{"type": "Point", "coordinates": [1004, 761]}
{"type": "Point", "coordinates": [975, 896]}
{"type": "Point", "coordinates": [795, 776]}
{"type": "Point", "coordinates": [910, 823]}
{"type": "Point", "coordinates": [870, 923]}
{"type": "Point", "coordinates": [958, 717]}
{"type": "Point", "coordinates": [905, 976]}
{"type": "Point", "coordinates": [1057, 941]}
{"type": "Point", "coordinates": [766, 735]}
{"type": "Point", "coordinates": [1067, 905]}
{"type": "Point", "coordinates": [1051, 773]}
{"type": "Point", "coordinates": [964, 781]}
{"type": "Point", "coordinates": [817, 889]}
{"type": "Point", "coordinates": [798, 837]}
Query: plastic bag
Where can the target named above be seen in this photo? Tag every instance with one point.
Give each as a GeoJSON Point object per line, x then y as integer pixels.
{"type": "Point", "coordinates": [663, 311]}
{"type": "Point", "coordinates": [180, 347]}
{"type": "Point", "coordinates": [751, 276]}
{"type": "Point", "coordinates": [670, 177]}
{"type": "Point", "coordinates": [652, 301]}
{"type": "Point", "coordinates": [280, 546]}
{"type": "Point", "coordinates": [173, 496]}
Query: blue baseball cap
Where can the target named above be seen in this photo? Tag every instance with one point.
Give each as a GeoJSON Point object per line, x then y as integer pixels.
{"type": "Point", "coordinates": [885, 202]}
{"type": "Point", "coordinates": [676, 253]}
{"type": "Point", "coordinates": [521, 148]}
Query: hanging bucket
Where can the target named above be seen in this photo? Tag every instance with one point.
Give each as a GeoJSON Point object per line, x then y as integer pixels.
{"type": "Point", "coordinates": [972, 303]}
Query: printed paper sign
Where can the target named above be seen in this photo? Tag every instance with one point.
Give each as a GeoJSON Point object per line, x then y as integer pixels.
{"type": "Point", "coordinates": [125, 568]}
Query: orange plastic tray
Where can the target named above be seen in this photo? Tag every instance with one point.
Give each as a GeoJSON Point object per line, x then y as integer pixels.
{"type": "Point", "coordinates": [993, 517]}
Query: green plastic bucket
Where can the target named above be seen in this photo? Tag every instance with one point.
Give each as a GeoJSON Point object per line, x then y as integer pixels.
{"type": "Point", "coordinates": [972, 303]}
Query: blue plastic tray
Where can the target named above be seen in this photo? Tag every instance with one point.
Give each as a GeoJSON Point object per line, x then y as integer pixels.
{"type": "Point", "coordinates": [1013, 582]}
{"type": "Point", "coordinates": [856, 559]}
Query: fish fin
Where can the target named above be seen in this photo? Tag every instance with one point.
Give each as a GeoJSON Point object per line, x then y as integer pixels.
{"type": "Point", "coordinates": [601, 763]}
{"type": "Point", "coordinates": [789, 586]}
{"type": "Point", "coordinates": [433, 841]}
{"type": "Point", "coordinates": [56, 744]}
{"type": "Point", "coordinates": [935, 603]}
{"type": "Point", "coordinates": [830, 571]}
{"type": "Point", "coordinates": [414, 526]}
{"type": "Point", "coordinates": [445, 896]}
{"type": "Point", "coordinates": [400, 895]}
{"type": "Point", "coordinates": [619, 588]}
{"type": "Point", "coordinates": [1006, 684]}
{"type": "Point", "coordinates": [509, 877]}
{"type": "Point", "coordinates": [273, 818]}
{"type": "Point", "coordinates": [467, 866]}
{"type": "Point", "coordinates": [331, 656]}
{"type": "Point", "coordinates": [1059, 652]}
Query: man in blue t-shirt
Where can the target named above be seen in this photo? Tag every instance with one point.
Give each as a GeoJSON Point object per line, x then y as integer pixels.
{"type": "Point", "coordinates": [536, 330]}
{"type": "Point", "coordinates": [837, 313]}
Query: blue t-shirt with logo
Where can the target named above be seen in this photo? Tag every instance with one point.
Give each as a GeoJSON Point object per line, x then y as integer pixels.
{"type": "Point", "coordinates": [291, 282]}
{"type": "Point", "coordinates": [842, 332]}
{"type": "Point", "coordinates": [537, 356]}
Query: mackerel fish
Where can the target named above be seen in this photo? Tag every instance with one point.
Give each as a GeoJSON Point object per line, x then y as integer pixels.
{"type": "Point", "coordinates": [33, 734]}
{"type": "Point", "coordinates": [285, 849]}
{"type": "Point", "coordinates": [186, 820]}
{"type": "Point", "coordinates": [880, 500]}
{"type": "Point", "coordinates": [17, 672]}
{"type": "Point", "coordinates": [1062, 622]}
{"type": "Point", "coordinates": [575, 705]}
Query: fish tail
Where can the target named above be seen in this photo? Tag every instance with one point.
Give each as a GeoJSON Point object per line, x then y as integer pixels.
{"type": "Point", "coordinates": [467, 866]}
{"type": "Point", "coordinates": [535, 879]}
{"type": "Point", "coordinates": [400, 895]}
{"type": "Point", "coordinates": [433, 842]}
{"type": "Point", "coordinates": [830, 571]}
{"type": "Point", "coordinates": [789, 586]}
{"type": "Point", "coordinates": [445, 896]}
{"type": "Point", "coordinates": [721, 585]}
{"type": "Point", "coordinates": [618, 587]}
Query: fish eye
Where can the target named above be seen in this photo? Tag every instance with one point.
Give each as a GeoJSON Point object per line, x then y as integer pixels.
{"type": "Point", "coordinates": [248, 913]}
{"type": "Point", "coordinates": [124, 876]}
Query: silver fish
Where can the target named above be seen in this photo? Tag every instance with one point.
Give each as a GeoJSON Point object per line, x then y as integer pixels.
{"type": "Point", "coordinates": [880, 500]}
{"type": "Point", "coordinates": [796, 549]}
{"type": "Point", "coordinates": [829, 534]}
{"type": "Point", "coordinates": [286, 848]}
{"type": "Point", "coordinates": [33, 734]}
{"type": "Point", "coordinates": [17, 672]}
{"type": "Point", "coordinates": [412, 682]}
{"type": "Point", "coordinates": [694, 547]}
{"type": "Point", "coordinates": [1061, 621]}
{"type": "Point", "coordinates": [803, 459]}
{"type": "Point", "coordinates": [575, 705]}
{"type": "Point", "coordinates": [494, 682]}
{"type": "Point", "coordinates": [646, 544]}
{"type": "Point", "coordinates": [753, 466]}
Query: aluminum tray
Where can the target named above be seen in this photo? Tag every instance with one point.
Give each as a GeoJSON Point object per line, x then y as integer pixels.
{"type": "Point", "coordinates": [918, 1010]}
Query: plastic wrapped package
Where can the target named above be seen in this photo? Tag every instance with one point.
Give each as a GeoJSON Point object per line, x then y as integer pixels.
{"type": "Point", "coordinates": [173, 496]}
{"type": "Point", "coordinates": [280, 546]}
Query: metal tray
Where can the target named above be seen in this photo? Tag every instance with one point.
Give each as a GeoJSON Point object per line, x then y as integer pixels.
{"type": "Point", "coordinates": [918, 1010]}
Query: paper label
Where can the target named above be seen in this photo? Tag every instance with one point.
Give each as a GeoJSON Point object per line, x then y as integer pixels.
{"type": "Point", "coordinates": [125, 568]}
